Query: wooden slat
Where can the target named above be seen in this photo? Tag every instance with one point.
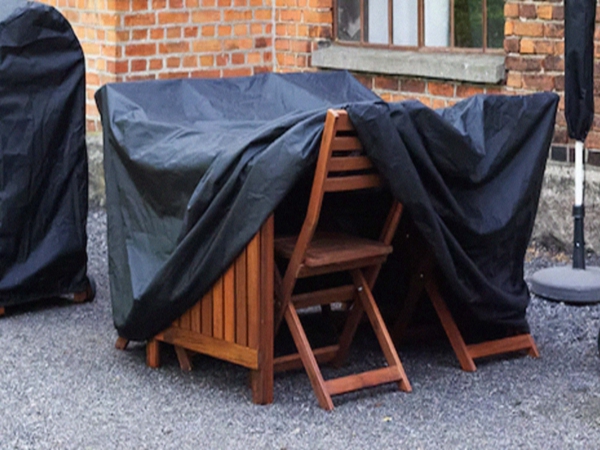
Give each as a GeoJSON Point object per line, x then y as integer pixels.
{"type": "Point", "coordinates": [217, 311]}
{"type": "Point", "coordinates": [196, 316]}
{"type": "Point", "coordinates": [345, 144]}
{"type": "Point", "coordinates": [294, 362]}
{"type": "Point", "coordinates": [207, 345]}
{"type": "Point", "coordinates": [500, 346]}
{"type": "Point", "coordinates": [253, 281]}
{"type": "Point", "coordinates": [349, 163]}
{"type": "Point", "coordinates": [262, 379]}
{"type": "Point", "coordinates": [324, 297]}
{"type": "Point", "coordinates": [185, 321]}
{"type": "Point", "coordinates": [343, 122]}
{"type": "Point", "coordinates": [354, 182]}
{"type": "Point", "coordinates": [241, 300]}
{"type": "Point", "coordinates": [362, 380]}
{"type": "Point", "coordinates": [207, 314]}
{"type": "Point", "coordinates": [229, 304]}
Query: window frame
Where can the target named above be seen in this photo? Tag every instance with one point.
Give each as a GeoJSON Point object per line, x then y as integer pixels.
{"type": "Point", "coordinates": [420, 47]}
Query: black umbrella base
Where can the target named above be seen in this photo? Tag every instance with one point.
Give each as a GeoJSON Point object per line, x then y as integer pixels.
{"type": "Point", "coordinates": [565, 284]}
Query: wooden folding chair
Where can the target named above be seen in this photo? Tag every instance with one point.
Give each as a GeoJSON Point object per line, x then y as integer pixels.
{"type": "Point", "coordinates": [425, 277]}
{"type": "Point", "coordinates": [341, 166]}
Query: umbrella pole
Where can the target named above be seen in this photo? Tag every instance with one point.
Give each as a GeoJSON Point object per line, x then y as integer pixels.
{"type": "Point", "coordinates": [578, 210]}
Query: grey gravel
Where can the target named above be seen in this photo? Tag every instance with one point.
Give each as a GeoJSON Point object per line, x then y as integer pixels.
{"type": "Point", "coordinates": [64, 386]}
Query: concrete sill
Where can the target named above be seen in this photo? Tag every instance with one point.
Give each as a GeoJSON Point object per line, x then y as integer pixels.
{"type": "Point", "coordinates": [467, 67]}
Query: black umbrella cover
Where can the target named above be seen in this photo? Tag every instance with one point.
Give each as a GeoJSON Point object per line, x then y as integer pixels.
{"type": "Point", "coordinates": [580, 18]}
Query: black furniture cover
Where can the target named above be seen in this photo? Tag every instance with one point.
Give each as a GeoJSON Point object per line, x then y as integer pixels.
{"type": "Point", "coordinates": [194, 167]}
{"type": "Point", "coordinates": [43, 160]}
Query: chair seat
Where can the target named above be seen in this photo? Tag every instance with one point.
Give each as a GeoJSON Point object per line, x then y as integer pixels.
{"type": "Point", "coordinates": [333, 248]}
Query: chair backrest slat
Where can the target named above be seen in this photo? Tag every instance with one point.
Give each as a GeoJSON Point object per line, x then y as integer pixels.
{"type": "Point", "coordinates": [346, 144]}
{"type": "Point", "coordinates": [349, 163]}
{"type": "Point", "coordinates": [352, 182]}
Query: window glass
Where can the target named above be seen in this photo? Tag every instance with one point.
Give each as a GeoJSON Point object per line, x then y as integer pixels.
{"type": "Point", "coordinates": [406, 22]}
{"type": "Point", "coordinates": [348, 20]}
{"type": "Point", "coordinates": [468, 23]}
{"type": "Point", "coordinates": [437, 23]}
{"type": "Point", "coordinates": [495, 23]}
{"type": "Point", "coordinates": [377, 21]}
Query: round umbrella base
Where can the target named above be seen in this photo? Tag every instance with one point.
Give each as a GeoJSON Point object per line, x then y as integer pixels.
{"type": "Point", "coordinates": [565, 284]}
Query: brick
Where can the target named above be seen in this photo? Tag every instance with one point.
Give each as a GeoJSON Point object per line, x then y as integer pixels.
{"type": "Point", "coordinates": [242, 72]}
{"type": "Point", "coordinates": [232, 15]}
{"type": "Point", "coordinates": [538, 82]}
{"type": "Point", "coordinates": [240, 30]}
{"type": "Point", "coordinates": [511, 10]}
{"type": "Point", "coordinates": [206, 45]}
{"type": "Point", "coordinates": [554, 30]}
{"type": "Point", "coordinates": [543, 47]}
{"type": "Point", "coordinates": [190, 32]}
{"type": "Point", "coordinates": [138, 5]}
{"type": "Point", "coordinates": [318, 17]}
{"type": "Point", "coordinates": [523, 64]}
{"type": "Point", "coordinates": [533, 29]}
{"type": "Point", "coordinates": [139, 34]}
{"type": "Point", "coordinates": [207, 60]}
{"type": "Point", "coordinates": [544, 12]}
{"type": "Point", "coordinates": [156, 64]}
{"type": "Point", "coordinates": [527, 46]}
{"type": "Point", "coordinates": [238, 58]}
{"type": "Point", "coordinates": [139, 65]}
{"type": "Point", "coordinates": [554, 63]}
{"type": "Point", "coordinates": [559, 82]}
{"type": "Point", "coordinates": [438, 103]}
{"type": "Point", "coordinates": [387, 83]}
{"type": "Point", "coordinates": [222, 60]}
{"type": "Point", "coordinates": [261, 42]}
{"type": "Point", "coordinates": [206, 16]}
{"type": "Point", "coordinates": [465, 90]}
{"type": "Point", "coordinates": [165, 18]}
{"type": "Point", "coordinates": [190, 61]}
{"type": "Point", "coordinates": [139, 20]}
{"type": "Point", "coordinates": [440, 89]}
{"type": "Point", "coordinates": [514, 79]}
{"type": "Point", "coordinates": [509, 28]}
{"type": "Point", "coordinates": [176, 4]}
{"type": "Point", "coordinates": [173, 47]}
{"type": "Point", "coordinates": [412, 85]}
{"type": "Point", "coordinates": [224, 30]}
{"type": "Point", "coordinates": [159, 4]}
{"type": "Point", "coordinates": [558, 13]}
{"type": "Point", "coordinates": [511, 45]}
{"type": "Point", "coordinates": [173, 62]}
{"type": "Point", "coordinates": [140, 49]}
{"type": "Point", "coordinates": [208, 31]}
{"type": "Point", "coordinates": [527, 11]}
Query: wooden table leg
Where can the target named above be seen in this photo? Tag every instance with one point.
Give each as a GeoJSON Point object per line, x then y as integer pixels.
{"type": "Point", "coordinates": [153, 353]}
{"type": "Point", "coordinates": [121, 343]}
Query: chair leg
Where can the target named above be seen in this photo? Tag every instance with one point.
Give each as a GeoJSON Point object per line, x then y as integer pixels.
{"type": "Point", "coordinates": [184, 358]}
{"type": "Point", "coordinates": [378, 324]}
{"type": "Point", "coordinates": [308, 358]}
{"type": "Point", "coordinates": [456, 340]}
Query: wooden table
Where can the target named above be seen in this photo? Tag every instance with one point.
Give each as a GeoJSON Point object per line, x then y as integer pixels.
{"type": "Point", "coordinates": [234, 320]}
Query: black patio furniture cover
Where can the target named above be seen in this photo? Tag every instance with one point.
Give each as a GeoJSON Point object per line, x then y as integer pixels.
{"type": "Point", "coordinates": [194, 167]}
{"type": "Point", "coordinates": [43, 160]}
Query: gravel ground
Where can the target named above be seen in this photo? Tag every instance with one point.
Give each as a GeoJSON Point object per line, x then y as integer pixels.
{"type": "Point", "coordinates": [64, 386]}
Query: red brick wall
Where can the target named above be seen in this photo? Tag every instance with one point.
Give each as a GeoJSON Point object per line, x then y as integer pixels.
{"type": "Point", "coordinates": [141, 39]}
{"type": "Point", "coordinates": [126, 40]}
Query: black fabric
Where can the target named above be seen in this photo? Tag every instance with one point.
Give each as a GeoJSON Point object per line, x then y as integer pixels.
{"type": "Point", "coordinates": [43, 161]}
{"type": "Point", "coordinates": [580, 20]}
{"type": "Point", "coordinates": [194, 167]}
